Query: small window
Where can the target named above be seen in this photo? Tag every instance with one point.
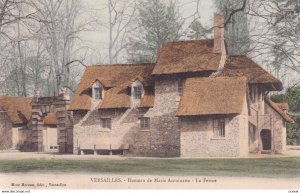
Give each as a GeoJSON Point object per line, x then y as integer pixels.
{"type": "Point", "coordinates": [98, 93]}
{"type": "Point", "coordinates": [219, 128]}
{"type": "Point", "coordinates": [106, 123]}
{"type": "Point", "coordinates": [144, 122]}
{"type": "Point", "coordinates": [180, 86]}
{"type": "Point", "coordinates": [252, 93]}
{"type": "Point", "coordinates": [137, 92]}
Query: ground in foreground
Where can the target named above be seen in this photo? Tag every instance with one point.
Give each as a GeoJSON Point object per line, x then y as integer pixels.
{"type": "Point", "coordinates": [286, 167]}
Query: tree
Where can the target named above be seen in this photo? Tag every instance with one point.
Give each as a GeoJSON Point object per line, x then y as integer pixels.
{"type": "Point", "coordinates": [292, 97]}
{"type": "Point", "coordinates": [120, 14]}
{"type": "Point", "coordinates": [197, 31]}
{"type": "Point", "coordinates": [236, 26]}
{"type": "Point", "coordinates": [156, 23]}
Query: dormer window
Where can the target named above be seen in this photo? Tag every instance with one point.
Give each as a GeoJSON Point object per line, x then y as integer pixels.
{"type": "Point", "coordinates": [97, 91]}
{"type": "Point", "coordinates": [137, 92]}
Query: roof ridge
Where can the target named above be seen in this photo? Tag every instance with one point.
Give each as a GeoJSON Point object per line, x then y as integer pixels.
{"type": "Point", "coordinates": [187, 41]}
{"type": "Point", "coordinates": [15, 97]}
{"type": "Point", "coordinates": [114, 65]}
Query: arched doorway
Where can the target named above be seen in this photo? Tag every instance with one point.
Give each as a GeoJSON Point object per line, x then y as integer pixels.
{"type": "Point", "coordinates": [266, 140]}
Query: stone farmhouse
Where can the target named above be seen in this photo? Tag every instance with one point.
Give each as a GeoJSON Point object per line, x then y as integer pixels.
{"type": "Point", "coordinates": [195, 101]}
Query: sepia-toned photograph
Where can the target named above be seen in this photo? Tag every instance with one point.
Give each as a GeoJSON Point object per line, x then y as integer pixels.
{"type": "Point", "coordinates": [149, 94]}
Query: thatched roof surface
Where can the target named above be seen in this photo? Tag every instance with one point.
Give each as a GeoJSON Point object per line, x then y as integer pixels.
{"type": "Point", "coordinates": [50, 119]}
{"type": "Point", "coordinates": [187, 56]}
{"type": "Point", "coordinates": [116, 98]}
{"type": "Point", "coordinates": [212, 96]}
{"type": "Point", "coordinates": [283, 106]}
{"type": "Point", "coordinates": [243, 66]}
{"type": "Point", "coordinates": [81, 102]}
{"type": "Point", "coordinates": [148, 99]}
{"type": "Point", "coordinates": [115, 78]}
{"type": "Point", "coordinates": [18, 109]}
{"type": "Point", "coordinates": [277, 108]}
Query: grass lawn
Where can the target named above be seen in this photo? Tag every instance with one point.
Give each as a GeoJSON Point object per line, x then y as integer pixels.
{"type": "Point", "coordinates": [267, 167]}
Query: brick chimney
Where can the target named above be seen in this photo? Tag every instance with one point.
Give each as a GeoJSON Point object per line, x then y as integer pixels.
{"type": "Point", "coordinates": [218, 33]}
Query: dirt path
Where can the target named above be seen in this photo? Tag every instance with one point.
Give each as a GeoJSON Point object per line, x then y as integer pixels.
{"type": "Point", "coordinates": [7, 155]}
{"type": "Point", "coordinates": [86, 181]}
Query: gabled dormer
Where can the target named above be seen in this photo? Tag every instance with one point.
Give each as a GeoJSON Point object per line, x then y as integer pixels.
{"type": "Point", "coordinates": [137, 92]}
{"type": "Point", "coordinates": [97, 91]}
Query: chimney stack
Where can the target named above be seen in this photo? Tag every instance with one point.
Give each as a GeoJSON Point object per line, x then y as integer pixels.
{"type": "Point", "coordinates": [37, 94]}
{"type": "Point", "coordinates": [219, 46]}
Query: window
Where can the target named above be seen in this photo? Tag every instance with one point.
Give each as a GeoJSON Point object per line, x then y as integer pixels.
{"type": "Point", "coordinates": [98, 93]}
{"type": "Point", "coordinates": [219, 128]}
{"type": "Point", "coordinates": [137, 92]}
{"type": "Point", "coordinates": [144, 122]}
{"type": "Point", "coordinates": [252, 92]}
{"type": "Point", "coordinates": [106, 123]}
{"type": "Point", "coordinates": [180, 86]}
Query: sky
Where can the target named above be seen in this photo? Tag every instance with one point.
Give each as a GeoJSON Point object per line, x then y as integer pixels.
{"type": "Point", "coordinates": [97, 39]}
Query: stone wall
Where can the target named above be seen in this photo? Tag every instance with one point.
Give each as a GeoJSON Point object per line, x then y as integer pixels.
{"type": "Point", "coordinates": [278, 130]}
{"type": "Point", "coordinates": [41, 106]}
{"type": "Point", "coordinates": [163, 137]}
{"type": "Point", "coordinates": [6, 140]}
{"type": "Point", "coordinates": [197, 136]}
{"type": "Point", "coordinates": [88, 134]}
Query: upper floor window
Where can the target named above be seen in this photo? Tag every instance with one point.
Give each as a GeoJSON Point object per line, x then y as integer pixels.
{"type": "Point", "coordinates": [106, 123]}
{"type": "Point", "coordinates": [219, 128]}
{"type": "Point", "coordinates": [97, 91]}
{"type": "Point", "coordinates": [252, 92]}
{"type": "Point", "coordinates": [144, 121]}
{"type": "Point", "coordinates": [137, 92]}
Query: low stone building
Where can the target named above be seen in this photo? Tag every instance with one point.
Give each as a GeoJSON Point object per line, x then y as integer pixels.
{"type": "Point", "coordinates": [195, 101]}
{"type": "Point", "coordinates": [37, 124]}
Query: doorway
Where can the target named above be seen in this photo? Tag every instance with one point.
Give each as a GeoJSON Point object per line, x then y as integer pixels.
{"type": "Point", "coordinates": [265, 135]}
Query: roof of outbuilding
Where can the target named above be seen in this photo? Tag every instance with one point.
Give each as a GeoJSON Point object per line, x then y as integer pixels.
{"type": "Point", "coordinates": [187, 56]}
{"type": "Point", "coordinates": [116, 78]}
{"type": "Point", "coordinates": [283, 106]}
{"type": "Point", "coordinates": [50, 119]}
{"type": "Point", "coordinates": [212, 96]}
{"type": "Point", "coordinates": [243, 66]}
{"type": "Point", "coordinates": [280, 111]}
{"type": "Point", "coordinates": [18, 109]}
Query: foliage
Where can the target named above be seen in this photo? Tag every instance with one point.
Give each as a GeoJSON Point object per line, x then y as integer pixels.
{"type": "Point", "coordinates": [237, 30]}
{"type": "Point", "coordinates": [197, 30]}
{"type": "Point", "coordinates": [292, 97]}
{"type": "Point", "coordinates": [157, 22]}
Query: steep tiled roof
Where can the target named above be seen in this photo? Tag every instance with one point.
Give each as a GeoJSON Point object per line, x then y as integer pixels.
{"type": "Point", "coordinates": [212, 96]}
{"type": "Point", "coordinates": [18, 109]}
{"type": "Point", "coordinates": [187, 56]}
{"type": "Point", "coordinates": [114, 78]}
{"type": "Point", "coordinates": [277, 108]}
{"type": "Point", "coordinates": [243, 66]}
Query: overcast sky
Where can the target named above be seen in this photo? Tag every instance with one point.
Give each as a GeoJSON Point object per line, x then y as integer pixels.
{"type": "Point", "coordinates": [97, 40]}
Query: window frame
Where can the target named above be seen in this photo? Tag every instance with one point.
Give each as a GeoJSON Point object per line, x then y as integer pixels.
{"type": "Point", "coordinates": [106, 123]}
{"type": "Point", "coordinates": [219, 128]}
{"type": "Point", "coordinates": [144, 123]}
{"type": "Point", "coordinates": [98, 93]}
{"type": "Point", "coordinates": [137, 92]}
